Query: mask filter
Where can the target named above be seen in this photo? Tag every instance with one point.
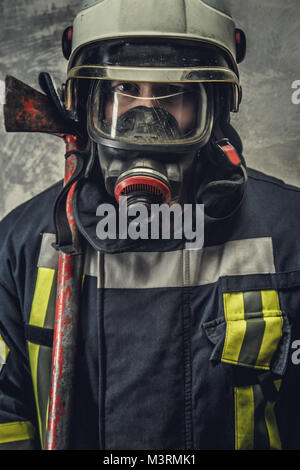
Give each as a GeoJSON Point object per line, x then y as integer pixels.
{"type": "Point", "coordinates": [151, 188]}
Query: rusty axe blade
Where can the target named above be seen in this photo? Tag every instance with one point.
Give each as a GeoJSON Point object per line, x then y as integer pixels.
{"type": "Point", "coordinates": [28, 110]}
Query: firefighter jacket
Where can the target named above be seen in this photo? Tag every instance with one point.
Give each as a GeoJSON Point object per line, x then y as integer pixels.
{"type": "Point", "coordinates": [177, 349]}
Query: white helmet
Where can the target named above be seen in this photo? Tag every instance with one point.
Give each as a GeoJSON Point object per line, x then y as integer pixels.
{"type": "Point", "coordinates": [106, 36]}
{"type": "Point", "coordinates": [156, 80]}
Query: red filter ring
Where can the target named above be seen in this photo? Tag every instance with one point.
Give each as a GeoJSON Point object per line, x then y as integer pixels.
{"type": "Point", "coordinates": [147, 184]}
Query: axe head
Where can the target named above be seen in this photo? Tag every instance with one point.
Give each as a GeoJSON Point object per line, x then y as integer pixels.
{"type": "Point", "coordinates": [28, 110]}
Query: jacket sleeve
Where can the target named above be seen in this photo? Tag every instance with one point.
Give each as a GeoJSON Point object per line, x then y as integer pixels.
{"type": "Point", "coordinates": [17, 409]}
{"type": "Point", "coordinates": [20, 244]}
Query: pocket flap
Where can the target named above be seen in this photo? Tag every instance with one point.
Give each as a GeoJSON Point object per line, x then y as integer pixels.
{"type": "Point", "coordinates": [255, 333]}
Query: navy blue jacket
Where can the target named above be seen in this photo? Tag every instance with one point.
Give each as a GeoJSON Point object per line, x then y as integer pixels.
{"type": "Point", "coordinates": [198, 347]}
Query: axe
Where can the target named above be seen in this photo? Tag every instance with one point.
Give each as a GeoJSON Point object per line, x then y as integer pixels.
{"type": "Point", "coordinates": [28, 110]}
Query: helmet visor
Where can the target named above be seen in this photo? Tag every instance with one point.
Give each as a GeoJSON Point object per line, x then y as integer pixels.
{"type": "Point", "coordinates": [148, 113]}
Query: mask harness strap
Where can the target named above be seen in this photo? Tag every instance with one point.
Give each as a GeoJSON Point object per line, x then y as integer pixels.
{"type": "Point", "coordinates": [64, 238]}
{"type": "Point", "coordinates": [223, 135]}
{"type": "Point", "coordinates": [222, 193]}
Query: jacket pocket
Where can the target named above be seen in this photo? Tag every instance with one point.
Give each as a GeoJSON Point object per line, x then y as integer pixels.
{"type": "Point", "coordinates": [253, 333]}
{"type": "Point", "coordinates": [254, 338]}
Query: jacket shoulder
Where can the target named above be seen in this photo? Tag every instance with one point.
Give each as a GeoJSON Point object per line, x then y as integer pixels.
{"type": "Point", "coordinates": [35, 214]}
{"type": "Point", "coordinates": [20, 236]}
{"type": "Point", "coordinates": [271, 182]}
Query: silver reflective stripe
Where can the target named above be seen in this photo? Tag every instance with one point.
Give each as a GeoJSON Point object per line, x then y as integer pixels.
{"type": "Point", "coordinates": [192, 267]}
{"type": "Point", "coordinates": [234, 258]}
{"type": "Point", "coordinates": [143, 270]}
{"type": "Point", "coordinates": [48, 257]}
{"type": "Point", "coordinates": [90, 262]}
{"type": "Point", "coordinates": [148, 270]}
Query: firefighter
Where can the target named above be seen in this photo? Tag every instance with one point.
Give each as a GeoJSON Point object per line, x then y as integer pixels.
{"type": "Point", "coordinates": [177, 348]}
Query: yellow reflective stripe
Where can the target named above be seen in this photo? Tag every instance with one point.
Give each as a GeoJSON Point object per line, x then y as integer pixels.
{"type": "Point", "coordinates": [271, 422]}
{"type": "Point", "coordinates": [4, 350]}
{"type": "Point", "coordinates": [270, 301]}
{"type": "Point", "coordinates": [272, 427]}
{"type": "Point", "coordinates": [38, 312]}
{"type": "Point", "coordinates": [33, 356]}
{"type": "Point", "coordinates": [235, 330]}
{"type": "Point", "coordinates": [239, 324]}
{"type": "Point", "coordinates": [277, 384]}
{"type": "Point", "coordinates": [245, 427]}
{"type": "Point", "coordinates": [16, 431]}
{"type": "Point", "coordinates": [244, 418]}
{"type": "Point", "coordinates": [41, 296]}
{"type": "Point", "coordinates": [273, 327]}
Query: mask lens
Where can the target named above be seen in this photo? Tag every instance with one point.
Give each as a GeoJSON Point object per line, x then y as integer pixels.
{"type": "Point", "coordinates": [148, 113]}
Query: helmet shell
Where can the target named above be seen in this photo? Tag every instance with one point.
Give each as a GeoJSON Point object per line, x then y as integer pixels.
{"type": "Point", "coordinates": [206, 21]}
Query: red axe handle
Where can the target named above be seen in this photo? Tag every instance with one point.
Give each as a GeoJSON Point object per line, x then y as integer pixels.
{"type": "Point", "coordinates": [69, 284]}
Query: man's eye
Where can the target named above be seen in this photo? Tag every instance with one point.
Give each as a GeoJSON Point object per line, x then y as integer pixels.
{"type": "Point", "coordinates": [126, 88]}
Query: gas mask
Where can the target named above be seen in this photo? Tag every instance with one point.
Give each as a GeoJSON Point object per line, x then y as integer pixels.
{"type": "Point", "coordinates": [148, 135]}
{"type": "Point", "coordinates": [153, 103]}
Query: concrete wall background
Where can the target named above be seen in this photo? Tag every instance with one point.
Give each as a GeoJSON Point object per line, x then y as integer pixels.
{"type": "Point", "coordinates": [268, 122]}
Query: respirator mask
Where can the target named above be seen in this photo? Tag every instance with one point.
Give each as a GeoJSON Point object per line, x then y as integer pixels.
{"type": "Point", "coordinates": [147, 136]}
{"type": "Point", "coordinates": [150, 110]}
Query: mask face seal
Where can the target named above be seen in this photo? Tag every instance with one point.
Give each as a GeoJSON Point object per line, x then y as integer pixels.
{"type": "Point", "coordinates": [158, 114]}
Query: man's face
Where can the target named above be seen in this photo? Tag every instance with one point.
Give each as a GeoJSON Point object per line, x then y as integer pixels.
{"type": "Point", "coordinates": [176, 98]}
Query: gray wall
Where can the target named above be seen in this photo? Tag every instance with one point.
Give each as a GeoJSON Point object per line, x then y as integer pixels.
{"type": "Point", "coordinates": [268, 122]}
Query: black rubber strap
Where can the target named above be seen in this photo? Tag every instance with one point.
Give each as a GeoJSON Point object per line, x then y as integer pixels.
{"type": "Point", "coordinates": [64, 239]}
{"type": "Point", "coordinates": [266, 380]}
{"type": "Point", "coordinates": [38, 335]}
